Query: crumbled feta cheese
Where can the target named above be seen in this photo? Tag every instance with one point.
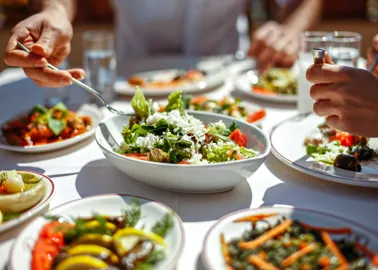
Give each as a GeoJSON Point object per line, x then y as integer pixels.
{"type": "Point", "coordinates": [148, 142]}
{"type": "Point", "coordinates": [197, 159]}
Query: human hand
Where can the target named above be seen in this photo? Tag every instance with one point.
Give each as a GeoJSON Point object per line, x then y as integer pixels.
{"type": "Point", "coordinates": [346, 96]}
{"type": "Point", "coordinates": [371, 53]}
{"type": "Point", "coordinates": [274, 45]}
{"type": "Point", "coordinates": [47, 35]}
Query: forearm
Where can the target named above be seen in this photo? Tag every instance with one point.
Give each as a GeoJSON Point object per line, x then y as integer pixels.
{"type": "Point", "coordinates": [305, 16]}
{"type": "Point", "coordinates": [68, 7]}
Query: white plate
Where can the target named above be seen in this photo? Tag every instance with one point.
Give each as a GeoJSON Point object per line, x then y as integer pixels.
{"type": "Point", "coordinates": [86, 109]}
{"type": "Point", "coordinates": [210, 81]}
{"type": "Point", "coordinates": [110, 204]}
{"type": "Point", "coordinates": [287, 140]}
{"type": "Point", "coordinates": [243, 83]}
{"type": "Point", "coordinates": [36, 209]}
{"type": "Point", "coordinates": [212, 256]}
{"type": "Point", "coordinates": [205, 178]}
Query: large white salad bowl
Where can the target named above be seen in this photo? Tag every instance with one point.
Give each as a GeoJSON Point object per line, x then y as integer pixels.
{"type": "Point", "coordinates": [207, 178]}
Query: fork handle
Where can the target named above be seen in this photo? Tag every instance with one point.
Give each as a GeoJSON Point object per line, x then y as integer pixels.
{"type": "Point", "coordinates": [79, 83]}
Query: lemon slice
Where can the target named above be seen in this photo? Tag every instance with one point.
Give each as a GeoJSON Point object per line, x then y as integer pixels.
{"type": "Point", "coordinates": [1, 217]}
{"type": "Point", "coordinates": [94, 239]}
{"type": "Point", "coordinates": [82, 262]}
{"type": "Point", "coordinates": [126, 239]}
{"type": "Point", "coordinates": [95, 224]}
{"type": "Point", "coordinates": [94, 250]}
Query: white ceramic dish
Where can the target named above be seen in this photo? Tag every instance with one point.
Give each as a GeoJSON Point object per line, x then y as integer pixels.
{"type": "Point", "coordinates": [294, 130]}
{"type": "Point", "coordinates": [210, 81]}
{"type": "Point", "coordinates": [244, 84]}
{"type": "Point", "coordinates": [110, 204]}
{"type": "Point", "coordinates": [212, 256]}
{"type": "Point", "coordinates": [209, 178]}
{"type": "Point", "coordinates": [86, 109]}
{"type": "Point", "coordinates": [36, 209]}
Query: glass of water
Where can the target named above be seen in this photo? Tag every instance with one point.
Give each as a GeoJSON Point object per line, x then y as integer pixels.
{"type": "Point", "coordinates": [100, 63]}
{"type": "Point", "coordinates": [344, 48]}
{"type": "Point", "coordinates": [309, 40]}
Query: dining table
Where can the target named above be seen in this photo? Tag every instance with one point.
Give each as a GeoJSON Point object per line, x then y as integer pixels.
{"type": "Point", "coordinates": [82, 170]}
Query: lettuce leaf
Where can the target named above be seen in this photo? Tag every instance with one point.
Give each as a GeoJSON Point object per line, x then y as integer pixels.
{"type": "Point", "coordinates": [175, 102]}
{"type": "Point", "coordinates": [140, 104]}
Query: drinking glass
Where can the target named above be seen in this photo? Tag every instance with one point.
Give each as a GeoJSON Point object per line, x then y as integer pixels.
{"type": "Point", "coordinates": [344, 48]}
{"type": "Point", "coordinates": [53, 96]}
{"type": "Point", "coordinates": [100, 63]}
{"type": "Point", "coordinates": [309, 40]}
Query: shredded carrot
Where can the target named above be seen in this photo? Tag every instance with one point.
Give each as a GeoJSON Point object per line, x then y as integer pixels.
{"type": "Point", "coordinates": [334, 249]}
{"type": "Point", "coordinates": [254, 218]}
{"type": "Point", "coordinates": [266, 236]}
{"type": "Point", "coordinates": [328, 230]}
{"type": "Point", "coordinates": [324, 261]}
{"type": "Point", "coordinates": [306, 266]}
{"type": "Point", "coordinates": [344, 266]}
{"type": "Point", "coordinates": [303, 245]}
{"type": "Point", "coordinates": [199, 100]}
{"type": "Point", "coordinates": [262, 255]}
{"type": "Point", "coordinates": [260, 263]}
{"type": "Point", "coordinates": [225, 252]}
{"type": "Point", "coordinates": [298, 254]}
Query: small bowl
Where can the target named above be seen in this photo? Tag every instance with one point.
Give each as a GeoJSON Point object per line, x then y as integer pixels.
{"type": "Point", "coordinates": [109, 204]}
{"type": "Point", "coordinates": [206, 178]}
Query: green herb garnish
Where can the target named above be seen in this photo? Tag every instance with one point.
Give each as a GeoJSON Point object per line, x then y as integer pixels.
{"type": "Point", "coordinates": [133, 214]}
{"type": "Point", "coordinates": [163, 226]}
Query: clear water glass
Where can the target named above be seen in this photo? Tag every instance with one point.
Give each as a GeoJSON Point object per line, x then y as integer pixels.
{"type": "Point", "coordinates": [53, 96]}
{"type": "Point", "coordinates": [309, 40]}
{"type": "Point", "coordinates": [100, 64]}
{"type": "Point", "coordinates": [344, 48]}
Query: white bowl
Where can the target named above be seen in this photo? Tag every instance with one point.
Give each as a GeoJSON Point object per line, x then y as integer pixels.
{"type": "Point", "coordinates": [212, 256]}
{"type": "Point", "coordinates": [110, 204]}
{"type": "Point", "coordinates": [36, 209]}
{"type": "Point", "coordinates": [208, 178]}
{"type": "Point", "coordinates": [86, 110]}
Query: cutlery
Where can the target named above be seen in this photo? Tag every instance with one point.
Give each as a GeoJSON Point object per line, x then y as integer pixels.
{"type": "Point", "coordinates": [85, 87]}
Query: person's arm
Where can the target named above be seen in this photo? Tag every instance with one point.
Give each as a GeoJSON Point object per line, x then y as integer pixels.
{"type": "Point", "coordinates": [372, 53]}
{"type": "Point", "coordinates": [275, 44]}
{"type": "Point", "coordinates": [48, 36]}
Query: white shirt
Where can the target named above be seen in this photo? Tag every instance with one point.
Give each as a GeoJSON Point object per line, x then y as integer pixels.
{"type": "Point", "coordinates": [168, 27]}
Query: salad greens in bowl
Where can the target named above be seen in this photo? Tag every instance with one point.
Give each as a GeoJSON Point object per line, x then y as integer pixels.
{"type": "Point", "coordinates": [195, 152]}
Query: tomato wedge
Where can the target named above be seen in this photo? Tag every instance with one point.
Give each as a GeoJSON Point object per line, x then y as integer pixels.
{"type": "Point", "coordinates": [255, 116]}
{"type": "Point", "coordinates": [344, 138]}
{"type": "Point", "coordinates": [184, 162]}
{"type": "Point", "coordinates": [49, 242]}
{"type": "Point", "coordinates": [238, 137]}
{"type": "Point", "coordinates": [138, 156]}
{"type": "Point", "coordinates": [263, 91]}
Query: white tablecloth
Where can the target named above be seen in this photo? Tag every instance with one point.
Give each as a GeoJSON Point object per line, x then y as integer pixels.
{"type": "Point", "coordinates": [82, 170]}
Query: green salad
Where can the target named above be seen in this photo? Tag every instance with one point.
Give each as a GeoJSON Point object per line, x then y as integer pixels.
{"type": "Point", "coordinates": [173, 136]}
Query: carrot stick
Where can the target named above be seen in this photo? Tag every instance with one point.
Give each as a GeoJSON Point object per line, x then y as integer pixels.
{"type": "Point", "coordinates": [266, 236]}
{"type": "Point", "coordinates": [328, 230]}
{"type": "Point", "coordinates": [225, 252]}
{"type": "Point", "coordinates": [254, 218]}
{"type": "Point", "coordinates": [334, 249]}
{"type": "Point", "coordinates": [298, 254]}
{"type": "Point", "coordinates": [260, 263]}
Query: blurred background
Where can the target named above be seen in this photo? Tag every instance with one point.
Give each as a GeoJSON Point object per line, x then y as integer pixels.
{"type": "Point", "coordinates": [353, 15]}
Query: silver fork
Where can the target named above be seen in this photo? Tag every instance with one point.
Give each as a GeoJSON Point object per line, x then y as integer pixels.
{"type": "Point", "coordinates": [85, 87]}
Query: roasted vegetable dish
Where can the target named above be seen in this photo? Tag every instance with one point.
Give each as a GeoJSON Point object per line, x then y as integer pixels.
{"type": "Point", "coordinates": [102, 242]}
{"type": "Point", "coordinates": [42, 125]}
{"type": "Point", "coordinates": [292, 244]}
{"type": "Point", "coordinates": [173, 136]}
{"type": "Point", "coordinates": [227, 106]}
{"type": "Point", "coordinates": [171, 78]}
{"type": "Point", "coordinates": [340, 149]}
{"type": "Point", "coordinates": [276, 81]}
{"type": "Point", "coordinates": [19, 191]}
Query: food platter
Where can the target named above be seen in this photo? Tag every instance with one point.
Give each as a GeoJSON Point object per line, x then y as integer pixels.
{"type": "Point", "coordinates": [296, 129]}
{"type": "Point", "coordinates": [214, 259]}
{"type": "Point", "coordinates": [91, 111]}
{"type": "Point", "coordinates": [110, 205]}
{"type": "Point", "coordinates": [244, 82]}
{"type": "Point", "coordinates": [209, 81]}
{"type": "Point", "coordinates": [47, 187]}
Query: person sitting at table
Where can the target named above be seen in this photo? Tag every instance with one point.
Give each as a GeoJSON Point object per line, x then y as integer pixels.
{"type": "Point", "coordinates": [346, 96]}
{"type": "Point", "coordinates": [187, 27]}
